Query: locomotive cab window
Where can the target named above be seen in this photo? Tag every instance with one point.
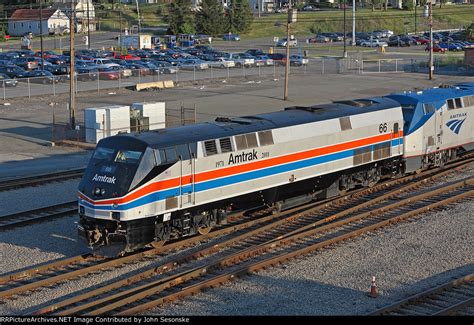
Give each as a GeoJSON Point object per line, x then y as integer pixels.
{"type": "Point", "coordinates": [102, 153]}
{"type": "Point", "coordinates": [183, 152]}
{"type": "Point", "coordinates": [127, 156]}
{"type": "Point", "coordinates": [429, 108]}
{"type": "Point", "coordinates": [171, 155]}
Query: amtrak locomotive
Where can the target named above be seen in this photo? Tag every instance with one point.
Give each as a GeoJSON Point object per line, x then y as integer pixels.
{"type": "Point", "coordinates": [154, 186]}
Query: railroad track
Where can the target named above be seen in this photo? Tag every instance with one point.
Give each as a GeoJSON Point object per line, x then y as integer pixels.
{"type": "Point", "coordinates": [298, 233]}
{"type": "Point", "coordinates": [452, 298]}
{"type": "Point", "coordinates": [40, 179]}
{"type": "Point", "coordinates": [38, 215]}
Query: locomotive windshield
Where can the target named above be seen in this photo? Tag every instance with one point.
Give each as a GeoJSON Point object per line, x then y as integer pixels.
{"type": "Point", "coordinates": [119, 156]}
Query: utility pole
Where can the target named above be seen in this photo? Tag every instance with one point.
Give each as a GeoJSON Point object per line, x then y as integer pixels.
{"type": "Point", "coordinates": [120, 31]}
{"type": "Point", "coordinates": [41, 34]}
{"type": "Point", "coordinates": [72, 79]}
{"type": "Point", "coordinates": [353, 22]}
{"type": "Point", "coordinates": [88, 27]}
{"type": "Point", "coordinates": [344, 55]}
{"type": "Point", "coordinates": [415, 17]}
{"type": "Point", "coordinates": [428, 12]}
{"type": "Point", "coordinates": [138, 14]}
{"type": "Point", "coordinates": [290, 19]}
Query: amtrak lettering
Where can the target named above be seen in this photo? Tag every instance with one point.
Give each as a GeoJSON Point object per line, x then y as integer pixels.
{"type": "Point", "coordinates": [458, 115]}
{"type": "Point", "coordinates": [243, 157]}
{"type": "Point", "coordinates": [104, 179]}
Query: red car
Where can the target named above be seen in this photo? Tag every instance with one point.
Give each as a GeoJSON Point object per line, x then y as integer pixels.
{"type": "Point", "coordinates": [422, 40]}
{"type": "Point", "coordinates": [436, 48]}
{"type": "Point", "coordinates": [108, 74]}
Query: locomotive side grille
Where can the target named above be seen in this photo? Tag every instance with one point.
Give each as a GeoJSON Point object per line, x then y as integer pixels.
{"type": "Point", "coordinates": [251, 140]}
{"type": "Point", "coordinates": [345, 123]}
{"type": "Point", "coordinates": [171, 203]}
{"type": "Point", "coordinates": [381, 150]}
{"type": "Point", "coordinates": [265, 137]}
{"type": "Point", "coordinates": [211, 148]}
{"type": "Point", "coordinates": [226, 146]}
{"type": "Point", "coordinates": [241, 142]}
{"type": "Point", "coordinates": [362, 156]}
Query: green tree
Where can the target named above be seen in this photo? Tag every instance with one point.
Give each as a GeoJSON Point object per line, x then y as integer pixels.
{"type": "Point", "coordinates": [239, 16]}
{"type": "Point", "coordinates": [408, 5]}
{"type": "Point", "coordinates": [180, 18]}
{"type": "Point", "coordinates": [210, 18]}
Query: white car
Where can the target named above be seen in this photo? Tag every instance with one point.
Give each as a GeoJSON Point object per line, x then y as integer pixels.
{"type": "Point", "coordinates": [282, 42]}
{"type": "Point", "coordinates": [373, 43]}
{"type": "Point", "coordinates": [105, 63]}
{"type": "Point", "coordinates": [221, 63]}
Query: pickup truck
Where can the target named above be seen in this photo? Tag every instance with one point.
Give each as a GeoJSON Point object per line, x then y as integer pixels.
{"type": "Point", "coordinates": [373, 43]}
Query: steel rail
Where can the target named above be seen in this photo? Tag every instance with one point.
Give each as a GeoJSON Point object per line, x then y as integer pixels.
{"type": "Point", "coordinates": [40, 179]}
{"type": "Point", "coordinates": [38, 215]}
{"type": "Point", "coordinates": [430, 299]}
{"type": "Point", "coordinates": [177, 279]}
{"type": "Point", "coordinates": [273, 260]}
{"type": "Point", "coordinates": [193, 240]}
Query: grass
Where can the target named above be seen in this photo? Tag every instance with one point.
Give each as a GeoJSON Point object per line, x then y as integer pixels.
{"type": "Point", "coordinates": [399, 21]}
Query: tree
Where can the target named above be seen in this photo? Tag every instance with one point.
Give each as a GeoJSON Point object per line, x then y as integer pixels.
{"type": "Point", "coordinates": [408, 5]}
{"type": "Point", "coordinates": [180, 18]}
{"type": "Point", "coordinates": [239, 16]}
{"type": "Point", "coordinates": [210, 18]}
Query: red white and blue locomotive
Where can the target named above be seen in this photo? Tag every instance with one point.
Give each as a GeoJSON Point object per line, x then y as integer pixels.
{"type": "Point", "coordinates": [153, 186]}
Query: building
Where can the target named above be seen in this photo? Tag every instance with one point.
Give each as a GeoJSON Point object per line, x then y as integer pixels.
{"type": "Point", "coordinates": [266, 5]}
{"type": "Point", "coordinates": [24, 21]}
{"type": "Point", "coordinates": [81, 9]}
{"type": "Point", "coordinates": [469, 56]}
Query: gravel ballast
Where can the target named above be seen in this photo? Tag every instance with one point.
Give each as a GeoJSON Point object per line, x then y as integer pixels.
{"type": "Point", "coordinates": [405, 259]}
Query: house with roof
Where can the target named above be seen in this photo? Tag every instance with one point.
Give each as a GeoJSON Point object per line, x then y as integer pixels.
{"type": "Point", "coordinates": [84, 13]}
{"type": "Point", "coordinates": [24, 21]}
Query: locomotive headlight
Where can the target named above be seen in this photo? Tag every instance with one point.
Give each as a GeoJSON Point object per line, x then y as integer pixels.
{"type": "Point", "coordinates": [97, 191]}
{"type": "Point", "coordinates": [102, 192]}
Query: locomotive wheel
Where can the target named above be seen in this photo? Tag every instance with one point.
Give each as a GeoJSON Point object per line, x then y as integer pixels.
{"type": "Point", "coordinates": [158, 244]}
{"type": "Point", "coordinates": [204, 230]}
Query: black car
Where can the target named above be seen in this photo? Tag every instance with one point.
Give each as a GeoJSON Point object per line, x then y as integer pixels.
{"type": "Point", "coordinates": [5, 81]}
{"type": "Point", "coordinates": [14, 71]}
{"type": "Point", "coordinates": [255, 52]}
{"type": "Point", "coordinates": [84, 73]}
{"type": "Point", "coordinates": [42, 77]}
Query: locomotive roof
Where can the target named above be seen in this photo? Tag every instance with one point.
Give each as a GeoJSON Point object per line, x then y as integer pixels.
{"type": "Point", "coordinates": [224, 127]}
{"type": "Point", "coordinates": [439, 93]}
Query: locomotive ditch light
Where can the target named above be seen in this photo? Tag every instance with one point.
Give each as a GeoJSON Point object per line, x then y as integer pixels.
{"type": "Point", "coordinates": [116, 215]}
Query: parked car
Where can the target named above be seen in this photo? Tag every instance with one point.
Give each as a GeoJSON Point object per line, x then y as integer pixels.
{"type": "Point", "coordinates": [278, 58]}
{"type": "Point", "coordinates": [298, 60]}
{"type": "Point", "coordinates": [282, 43]}
{"type": "Point", "coordinates": [5, 81]}
{"type": "Point", "coordinates": [221, 63]}
{"type": "Point", "coordinates": [13, 71]}
{"type": "Point", "coordinates": [231, 37]}
{"type": "Point", "coordinates": [318, 39]}
{"type": "Point", "coordinates": [166, 67]}
{"type": "Point", "coordinates": [26, 63]}
{"type": "Point", "coordinates": [43, 77]}
{"type": "Point", "coordinates": [436, 48]}
{"type": "Point", "coordinates": [86, 73]}
{"type": "Point", "coordinates": [373, 43]}
{"type": "Point", "coordinates": [239, 60]}
{"type": "Point", "coordinates": [268, 60]}
{"type": "Point", "coordinates": [255, 52]}
{"type": "Point", "coordinates": [108, 74]}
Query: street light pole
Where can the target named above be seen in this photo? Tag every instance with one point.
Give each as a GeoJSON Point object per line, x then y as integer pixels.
{"type": "Point", "coordinates": [72, 84]}
{"type": "Point", "coordinates": [353, 22]}
{"type": "Point", "coordinates": [88, 28]}
{"type": "Point", "coordinates": [430, 12]}
{"type": "Point", "coordinates": [345, 51]}
{"type": "Point", "coordinates": [287, 63]}
{"type": "Point", "coordinates": [41, 34]}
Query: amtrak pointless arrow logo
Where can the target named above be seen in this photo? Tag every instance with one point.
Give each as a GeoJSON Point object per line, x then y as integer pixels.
{"type": "Point", "coordinates": [455, 125]}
